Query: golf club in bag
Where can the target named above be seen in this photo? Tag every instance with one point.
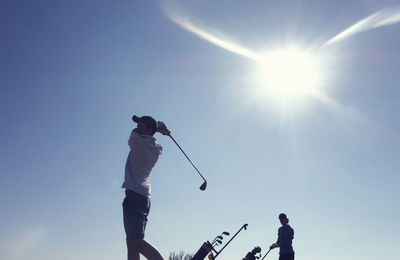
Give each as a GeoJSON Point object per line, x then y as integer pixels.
{"type": "Point", "coordinates": [208, 247]}
{"type": "Point", "coordinates": [252, 254]}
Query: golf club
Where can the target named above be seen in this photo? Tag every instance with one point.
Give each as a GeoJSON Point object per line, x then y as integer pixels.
{"type": "Point", "coordinates": [243, 227]}
{"type": "Point", "coordinates": [265, 254]}
{"type": "Point", "coordinates": [204, 185]}
{"type": "Point", "coordinates": [208, 248]}
{"type": "Point", "coordinates": [220, 237]}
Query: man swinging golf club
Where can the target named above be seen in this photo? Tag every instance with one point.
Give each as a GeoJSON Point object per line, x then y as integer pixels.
{"type": "Point", "coordinates": [285, 237]}
{"type": "Point", "coordinates": [143, 155]}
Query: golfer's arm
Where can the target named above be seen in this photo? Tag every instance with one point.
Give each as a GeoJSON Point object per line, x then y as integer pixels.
{"type": "Point", "coordinates": [135, 139]}
{"type": "Point", "coordinates": [284, 243]}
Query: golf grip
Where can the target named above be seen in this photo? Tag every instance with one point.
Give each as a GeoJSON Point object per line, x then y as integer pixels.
{"type": "Point", "coordinates": [187, 157]}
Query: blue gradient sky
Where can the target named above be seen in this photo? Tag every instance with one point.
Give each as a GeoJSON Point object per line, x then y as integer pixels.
{"type": "Point", "coordinates": [72, 73]}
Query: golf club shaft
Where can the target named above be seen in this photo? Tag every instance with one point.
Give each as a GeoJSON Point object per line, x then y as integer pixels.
{"type": "Point", "coordinates": [187, 157]}
{"type": "Point", "coordinates": [243, 227]}
{"type": "Point", "coordinates": [265, 254]}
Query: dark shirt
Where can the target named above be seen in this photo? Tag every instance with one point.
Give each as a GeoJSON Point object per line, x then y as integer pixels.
{"type": "Point", "coordinates": [285, 236]}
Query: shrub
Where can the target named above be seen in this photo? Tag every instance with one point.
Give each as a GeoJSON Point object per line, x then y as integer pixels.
{"type": "Point", "coordinates": [179, 256]}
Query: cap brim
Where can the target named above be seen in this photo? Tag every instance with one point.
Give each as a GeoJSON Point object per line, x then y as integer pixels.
{"type": "Point", "coordinates": [136, 119]}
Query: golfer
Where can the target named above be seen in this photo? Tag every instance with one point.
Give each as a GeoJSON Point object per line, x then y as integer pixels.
{"type": "Point", "coordinates": [143, 155]}
{"type": "Point", "coordinates": [285, 237]}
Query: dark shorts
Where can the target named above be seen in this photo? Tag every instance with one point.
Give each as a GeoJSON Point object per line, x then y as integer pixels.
{"type": "Point", "coordinates": [136, 208]}
{"type": "Point", "coordinates": [289, 256]}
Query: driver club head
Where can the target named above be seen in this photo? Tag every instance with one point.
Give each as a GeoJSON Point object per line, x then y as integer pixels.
{"type": "Point", "coordinates": [203, 186]}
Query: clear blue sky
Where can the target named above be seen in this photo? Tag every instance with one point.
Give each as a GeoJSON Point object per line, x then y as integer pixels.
{"type": "Point", "coordinates": [72, 73]}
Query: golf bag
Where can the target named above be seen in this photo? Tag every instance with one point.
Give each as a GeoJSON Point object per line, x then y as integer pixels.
{"type": "Point", "coordinates": [203, 251]}
{"type": "Point", "coordinates": [252, 254]}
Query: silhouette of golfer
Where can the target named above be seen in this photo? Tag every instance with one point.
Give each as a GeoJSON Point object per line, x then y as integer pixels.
{"type": "Point", "coordinates": [285, 237]}
{"type": "Point", "coordinates": [143, 155]}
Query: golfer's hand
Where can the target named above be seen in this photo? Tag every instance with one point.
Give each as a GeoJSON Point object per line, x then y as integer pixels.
{"type": "Point", "coordinates": [273, 246]}
{"type": "Point", "coordinates": [162, 128]}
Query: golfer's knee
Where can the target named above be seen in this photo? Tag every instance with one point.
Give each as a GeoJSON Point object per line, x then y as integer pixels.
{"type": "Point", "coordinates": [134, 244]}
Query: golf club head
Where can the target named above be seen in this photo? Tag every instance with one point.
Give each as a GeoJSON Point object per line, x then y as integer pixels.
{"type": "Point", "coordinates": [203, 186]}
{"type": "Point", "coordinates": [245, 226]}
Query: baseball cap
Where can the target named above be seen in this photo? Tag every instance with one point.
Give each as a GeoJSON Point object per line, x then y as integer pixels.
{"type": "Point", "coordinates": [282, 216]}
{"type": "Point", "coordinates": [147, 120]}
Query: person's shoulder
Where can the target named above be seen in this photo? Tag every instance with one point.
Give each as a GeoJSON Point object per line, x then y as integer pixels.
{"type": "Point", "coordinates": [290, 228]}
{"type": "Point", "coordinates": [286, 228]}
{"type": "Point", "coordinates": [147, 140]}
{"type": "Point", "coordinates": [135, 134]}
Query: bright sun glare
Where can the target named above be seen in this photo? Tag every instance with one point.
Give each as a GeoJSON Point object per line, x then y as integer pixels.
{"type": "Point", "coordinates": [287, 74]}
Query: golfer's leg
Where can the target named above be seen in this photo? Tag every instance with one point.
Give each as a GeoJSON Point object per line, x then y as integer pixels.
{"type": "Point", "coordinates": [133, 250]}
{"type": "Point", "coordinates": [149, 251]}
{"type": "Point", "coordinates": [286, 256]}
{"type": "Point", "coordinates": [144, 248]}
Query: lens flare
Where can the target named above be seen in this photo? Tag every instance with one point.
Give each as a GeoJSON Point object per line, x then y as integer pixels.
{"type": "Point", "coordinates": [287, 74]}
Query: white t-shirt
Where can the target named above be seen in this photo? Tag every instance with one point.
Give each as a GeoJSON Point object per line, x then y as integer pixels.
{"type": "Point", "coordinates": [141, 159]}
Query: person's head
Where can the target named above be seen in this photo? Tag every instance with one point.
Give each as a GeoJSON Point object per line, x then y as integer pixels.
{"type": "Point", "coordinates": [283, 219]}
{"type": "Point", "coordinates": [146, 125]}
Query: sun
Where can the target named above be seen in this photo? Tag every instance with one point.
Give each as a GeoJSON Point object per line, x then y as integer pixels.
{"type": "Point", "coordinates": [287, 74]}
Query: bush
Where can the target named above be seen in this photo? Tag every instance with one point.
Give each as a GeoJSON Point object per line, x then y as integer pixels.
{"type": "Point", "coordinates": [179, 256]}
